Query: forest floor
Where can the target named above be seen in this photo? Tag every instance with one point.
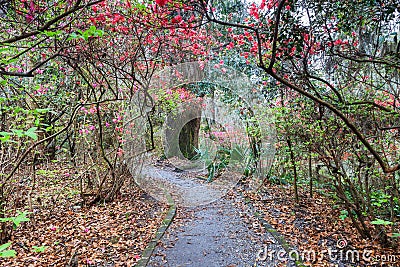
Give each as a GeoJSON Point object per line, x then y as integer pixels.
{"type": "Point", "coordinates": [72, 234]}
{"type": "Point", "coordinates": [226, 232]}
{"type": "Point", "coordinates": [315, 230]}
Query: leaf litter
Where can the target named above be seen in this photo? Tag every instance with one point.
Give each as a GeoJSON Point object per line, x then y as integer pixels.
{"type": "Point", "coordinates": [72, 234]}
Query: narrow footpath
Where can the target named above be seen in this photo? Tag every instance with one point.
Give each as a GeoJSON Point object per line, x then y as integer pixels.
{"type": "Point", "coordinates": [223, 233]}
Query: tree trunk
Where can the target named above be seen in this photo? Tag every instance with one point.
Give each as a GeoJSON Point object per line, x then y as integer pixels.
{"type": "Point", "coordinates": [189, 138]}
{"type": "Point", "coordinates": [293, 161]}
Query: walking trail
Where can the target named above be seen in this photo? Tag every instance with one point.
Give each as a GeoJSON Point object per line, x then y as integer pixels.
{"type": "Point", "coordinates": [222, 232]}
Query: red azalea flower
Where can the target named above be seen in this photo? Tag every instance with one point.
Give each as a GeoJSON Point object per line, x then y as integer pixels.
{"type": "Point", "coordinates": [162, 2]}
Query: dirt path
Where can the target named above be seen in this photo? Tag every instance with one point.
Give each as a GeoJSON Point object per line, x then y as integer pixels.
{"type": "Point", "coordinates": [221, 233]}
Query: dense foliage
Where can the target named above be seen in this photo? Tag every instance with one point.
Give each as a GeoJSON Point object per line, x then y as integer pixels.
{"type": "Point", "coordinates": [331, 74]}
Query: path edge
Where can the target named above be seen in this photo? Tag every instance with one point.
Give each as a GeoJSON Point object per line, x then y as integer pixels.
{"type": "Point", "coordinates": [278, 237]}
{"type": "Point", "coordinates": [270, 229]}
{"type": "Point", "coordinates": [148, 251]}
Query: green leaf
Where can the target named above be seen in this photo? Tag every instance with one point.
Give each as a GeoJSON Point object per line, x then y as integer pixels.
{"type": "Point", "coordinates": [4, 49]}
{"type": "Point", "coordinates": [92, 29]}
{"type": "Point", "coordinates": [21, 217]}
{"type": "Point", "coordinates": [381, 222]}
{"type": "Point", "coordinates": [140, 6]}
{"type": "Point", "coordinates": [211, 172]}
{"type": "Point", "coordinates": [343, 214]}
{"type": "Point", "coordinates": [4, 136]}
{"type": "Point", "coordinates": [39, 249]}
{"type": "Point", "coordinates": [394, 235]}
{"type": "Point", "coordinates": [18, 133]}
{"type": "Point", "coordinates": [8, 253]}
{"type": "Point", "coordinates": [4, 139]}
{"type": "Point", "coordinates": [73, 36]}
{"type": "Point", "coordinates": [86, 35]}
{"type": "Point", "coordinates": [9, 61]}
{"type": "Point", "coordinates": [42, 110]}
{"type": "Point", "coordinates": [4, 246]}
{"type": "Point", "coordinates": [6, 133]}
{"type": "Point", "coordinates": [31, 133]}
{"type": "Point", "coordinates": [51, 33]}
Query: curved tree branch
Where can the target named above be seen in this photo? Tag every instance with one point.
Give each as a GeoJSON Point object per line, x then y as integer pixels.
{"type": "Point", "coordinates": [51, 22]}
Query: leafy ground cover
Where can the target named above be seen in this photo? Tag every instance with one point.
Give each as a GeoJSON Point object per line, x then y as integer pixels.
{"type": "Point", "coordinates": [316, 224]}
{"type": "Point", "coordinates": [62, 232]}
